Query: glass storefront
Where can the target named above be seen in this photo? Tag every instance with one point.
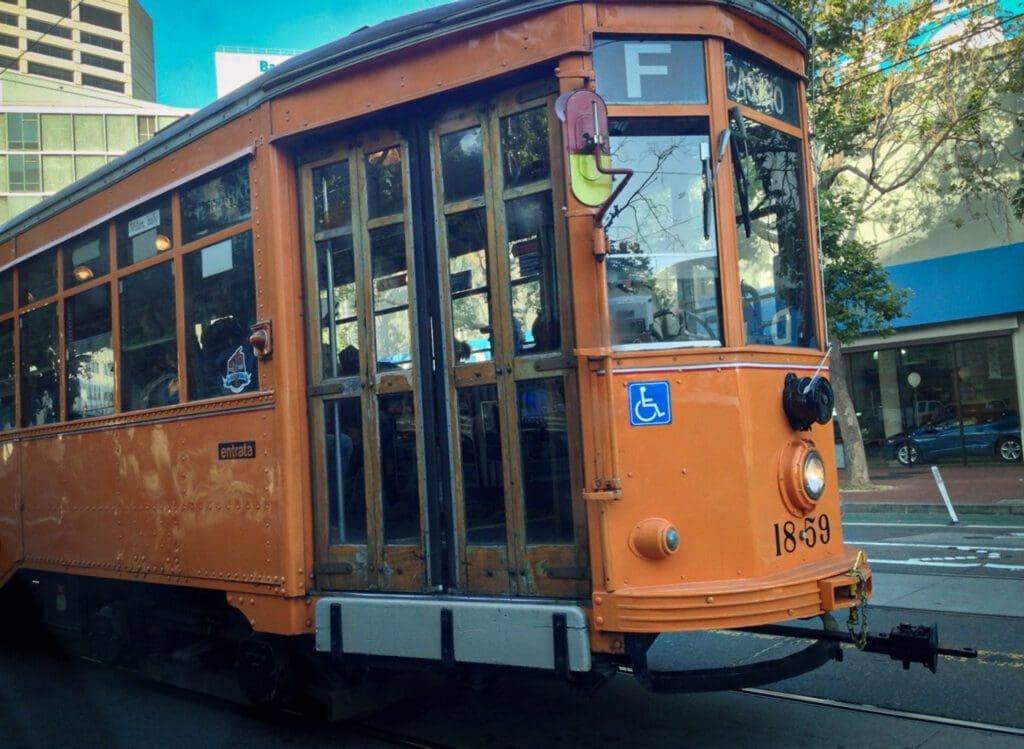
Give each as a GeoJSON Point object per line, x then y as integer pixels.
{"type": "Point", "coordinates": [938, 402]}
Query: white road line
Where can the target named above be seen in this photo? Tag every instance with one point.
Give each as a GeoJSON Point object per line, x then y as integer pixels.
{"type": "Point", "coordinates": [951, 547]}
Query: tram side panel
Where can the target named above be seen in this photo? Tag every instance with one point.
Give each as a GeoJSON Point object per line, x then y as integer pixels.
{"type": "Point", "coordinates": [10, 511]}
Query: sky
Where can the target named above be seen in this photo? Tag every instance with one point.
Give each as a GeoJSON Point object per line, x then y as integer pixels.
{"type": "Point", "coordinates": [186, 33]}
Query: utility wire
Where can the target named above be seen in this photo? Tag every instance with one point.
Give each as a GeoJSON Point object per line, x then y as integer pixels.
{"type": "Point", "coordinates": [31, 44]}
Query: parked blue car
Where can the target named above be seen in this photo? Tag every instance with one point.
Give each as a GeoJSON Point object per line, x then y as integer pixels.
{"type": "Point", "coordinates": [993, 434]}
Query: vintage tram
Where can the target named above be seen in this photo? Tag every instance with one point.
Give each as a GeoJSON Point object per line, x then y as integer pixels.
{"type": "Point", "coordinates": [490, 336]}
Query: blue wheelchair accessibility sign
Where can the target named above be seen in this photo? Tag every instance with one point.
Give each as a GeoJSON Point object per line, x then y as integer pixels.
{"type": "Point", "coordinates": [649, 404]}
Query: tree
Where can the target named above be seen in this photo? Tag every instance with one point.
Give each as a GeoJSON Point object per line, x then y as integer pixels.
{"type": "Point", "coordinates": [912, 96]}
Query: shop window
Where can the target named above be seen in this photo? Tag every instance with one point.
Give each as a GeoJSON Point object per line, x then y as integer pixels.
{"type": "Point", "coordinates": [220, 307]}
{"type": "Point", "coordinates": [215, 203]}
{"type": "Point", "coordinates": [7, 400]}
{"type": "Point", "coordinates": [149, 343]}
{"type": "Point", "coordinates": [40, 366]}
{"type": "Point", "coordinates": [90, 354]}
{"type": "Point", "coordinates": [87, 257]}
{"type": "Point", "coordinates": [144, 232]}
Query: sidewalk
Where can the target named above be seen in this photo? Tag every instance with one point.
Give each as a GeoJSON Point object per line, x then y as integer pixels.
{"type": "Point", "coordinates": [975, 489]}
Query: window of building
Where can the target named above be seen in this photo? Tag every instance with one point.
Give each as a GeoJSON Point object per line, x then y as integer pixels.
{"type": "Point", "coordinates": [51, 50]}
{"type": "Point", "coordinates": [87, 257]}
{"type": "Point", "coordinates": [98, 61]}
{"type": "Point", "coordinates": [48, 28]}
{"type": "Point", "coordinates": [7, 40]}
{"type": "Point", "coordinates": [23, 131]}
{"type": "Point", "coordinates": [105, 83]}
{"type": "Point", "coordinates": [146, 126]}
{"type": "Point", "coordinates": [24, 173]}
{"type": "Point", "coordinates": [220, 307]}
{"type": "Point", "coordinates": [122, 134]}
{"type": "Point", "coordinates": [90, 135]}
{"type": "Point", "coordinates": [9, 63]}
{"type": "Point", "coordinates": [57, 7]}
{"type": "Point", "coordinates": [215, 203]}
{"type": "Point", "coordinates": [58, 172]}
{"type": "Point", "coordinates": [9, 19]}
{"type": "Point", "coordinates": [56, 131]}
{"type": "Point", "coordinates": [49, 71]}
{"type": "Point", "coordinates": [144, 231]}
{"type": "Point", "coordinates": [98, 40]}
{"type": "Point", "coordinates": [108, 19]}
{"type": "Point", "coordinates": [7, 404]}
{"type": "Point", "coordinates": [40, 367]}
{"type": "Point", "coordinates": [149, 341]}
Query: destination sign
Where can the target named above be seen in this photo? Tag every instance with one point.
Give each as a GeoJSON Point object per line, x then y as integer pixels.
{"type": "Point", "coordinates": [751, 83]}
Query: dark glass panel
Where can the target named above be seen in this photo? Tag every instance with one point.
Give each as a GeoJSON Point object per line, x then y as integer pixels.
{"type": "Point", "coordinates": [525, 156]}
{"type": "Point", "coordinates": [40, 363]}
{"type": "Point", "coordinates": [346, 485]}
{"type": "Point", "coordinates": [544, 445]}
{"type": "Point", "coordinates": [398, 466]}
{"type": "Point", "coordinates": [90, 354]}
{"type": "Point", "coordinates": [7, 375]}
{"type": "Point", "coordinates": [6, 291]}
{"type": "Point", "coordinates": [215, 203]}
{"type": "Point", "coordinates": [149, 342]}
{"type": "Point", "coordinates": [37, 278]}
{"type": "Point", "coordinates": [143, 232]}
{"type": "Point", "coordinates": [332, 197]}
{"type": "Point", "coordinates": [87, 257]}
{"type": "Point", "coordinates": [462, 165]}
{"type": "Point", "coordinates": [531, 248]}
{"type": "Point", "coordinates": [391, 296]}
{"type": "Point", "coordinates": [481, 455]}
{"type": "Point", "coordinates": [339, 332]}
{"type": "Point", "coordinates": [471, 296]}
{"type": "Point", "coordinates": [384, 182]}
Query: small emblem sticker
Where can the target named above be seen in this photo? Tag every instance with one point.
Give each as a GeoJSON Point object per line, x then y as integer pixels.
{"type": "Point", "coordinates": [238, 377]}
{"type": "Point", "coordinates": [650, 404]}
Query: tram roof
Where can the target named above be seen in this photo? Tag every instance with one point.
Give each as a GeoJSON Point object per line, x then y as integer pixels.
{"type": "Point", "coordinates": [358, 47]}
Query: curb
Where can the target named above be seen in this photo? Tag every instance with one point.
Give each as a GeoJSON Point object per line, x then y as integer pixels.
{"type": "Point", "coordinates": [1005, 507]}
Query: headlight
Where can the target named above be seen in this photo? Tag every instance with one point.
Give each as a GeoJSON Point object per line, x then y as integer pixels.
{"type": "Point", "coordinates": [814, 475]}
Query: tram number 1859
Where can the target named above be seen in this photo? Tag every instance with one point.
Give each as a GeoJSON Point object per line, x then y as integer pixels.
{"type": "Point", "coordinates": [789, 535]}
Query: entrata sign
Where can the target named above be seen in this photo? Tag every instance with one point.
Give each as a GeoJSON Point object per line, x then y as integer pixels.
{"type": "Point", "coordinates": [235, 69]}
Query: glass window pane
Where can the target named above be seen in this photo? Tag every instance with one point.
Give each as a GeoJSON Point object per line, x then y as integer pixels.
{"type": "Point", "coordinates": [87, 257]}
{"type": "Point", "coordinates": [346, 485]}
{"type": "Point", "coordinates": [544, 446]}
{"type": "Point", "coordinates": [121, 132]}
{"type": "Point", "coordinates": [85, 165]}
{"type": "Point", "coordinates": [149, 342]}
{"type": "Point", "coordinates": [220, 308]}
{"type": "Point", "coordinates": [462, 165]}
{"type": "Point", "coordinates": [638, 71]}
{"type": "Point", "coordinates": [40, 367]}
{"type": "Point", "coordinates": [531, 248]}
{"type": "Point", "coordinates": [761, 86]}
{"type": "Point", "coordinates": [37, 278]}
{"type": "Point", "coordinates": [25, 173]}
{"type": "Point", "coordinates": [384, 182]}
{"type": "Point", "coordinates": [58, 172]}
{"type": "Point", "coordinates": [90, 354]}
{"type": "Point", "coordinates": [6, 291]}
{"type": "Point", "coordinates": [332, 197]}
{"type": "Point", "coordinates": [663, 277]}
{"type": "Point", "coordinates": [391, 297]}
{"type": "Point", "coordinates": [524, 147]}
{"type": "Point", "coordinates": [471, 296]}
{"type": "Point", "coordinates": [776, 281]}
{"type": "Point", "coordinates": [339, 332]}
{"type": "Point", "coordinates": [57, 132]}
{"type": "Point", "coordinates": [23, 131]}
{"type": "Point", "coordinates": [215, 203]}
{"type": "Point", "coordinates": [144, 231]}
{"type": "Point", "coordinates": [89, 133]}
{"type": "Point", "coordinates": [6, 375]}
{"type": "Point", "coordinates": [398, 467]}
{"type": "Point", "coordinates": [481, 455]}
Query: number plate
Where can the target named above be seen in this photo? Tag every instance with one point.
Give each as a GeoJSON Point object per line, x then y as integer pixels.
{"type": "Point", "coordinates": [810, 532]}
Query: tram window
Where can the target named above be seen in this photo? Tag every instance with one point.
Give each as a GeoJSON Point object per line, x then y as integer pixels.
{"type": "Point", "coordinates": [775, 273]}
{"type": "Point", "coordinates": [339, 328]}
{"type": "Point", "coordinates": [149, 343]}
{"type": "Point", "coordinates": [481, 454]}
{"type": "Point", "coordinates": [90, 354]}
{"type": "Point", "coordinates": [6, 375]}
{"type": "Point", "coordinates": [390, 296]}
{"type": "Point", "coordinates": [220, 307]}
{"type": "Point", "coordinates": [471, 296]}
{"type": "Point", "coordinates": [40, 367]}
{"type": "Point", "coordinates": [398, 468]}
{"type": "Point", "coordinates": [6, 292]}
{"type": "Point", "coordinates": [215, 203]}
{"type": "Point", "coordinates": [544, 449]}
{"type": "Point", "coordinates": [663, 275]}
{"type": "Point", "coordinates": [346, 482]}
{"type": "Point", "coordinates": [761, 86]}
{"type": "Point", "coordinates": [525, 153]}
{"type": "Point", "coordinates": [332, 197]}
{"type": "Point", "coordinates": [87, 257]}
{"type": "Point", "coordinates": [144, 232]}
{"type": "Point", "coordinates": [384, 182]}
{"type": "Point", "coordinates": [462, 165]}
{"type": "Point", "coordinates": [531, 248]}
{"type": "Point", "coordinates": [37, 278]}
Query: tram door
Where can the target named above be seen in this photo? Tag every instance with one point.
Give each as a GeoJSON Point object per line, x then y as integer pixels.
{"type": "Point", "coordinates": [363, 398]}
{"type": "Point", "coordinates": [504, 313]}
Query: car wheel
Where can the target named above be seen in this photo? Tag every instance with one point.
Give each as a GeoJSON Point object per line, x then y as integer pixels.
{"type": "Point", "coordinates": [907, 454]}
{"type": "Point", "coordinates": [1009, 449]}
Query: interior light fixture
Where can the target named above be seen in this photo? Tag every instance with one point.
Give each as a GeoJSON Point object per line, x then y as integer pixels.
{"type": "Point", "coordinates": [162, 242]}
{"type": "Point", "coordinates": [82, 273]}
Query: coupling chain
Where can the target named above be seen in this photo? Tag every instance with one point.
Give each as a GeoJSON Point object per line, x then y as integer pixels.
{"type": "Point", "coordinates": [857, 623]}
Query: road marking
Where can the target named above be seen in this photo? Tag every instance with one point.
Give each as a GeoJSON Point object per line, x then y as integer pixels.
{"type": "Point", "coordinates": [952, 547]}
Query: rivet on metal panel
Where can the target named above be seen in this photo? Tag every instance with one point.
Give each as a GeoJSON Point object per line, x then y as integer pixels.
{"type": "Point", "coordinates": [709, 599]}
{"type": "Point", "coordinates": [599, 620]}
{"type": "Point", "coordinates": [598, 600]}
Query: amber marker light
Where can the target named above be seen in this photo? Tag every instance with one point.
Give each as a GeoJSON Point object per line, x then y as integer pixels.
{"type": "Point", "coordinates": [654, 538]}
{"type": "Point", "coordinates": [162, 242]}
{"type": "Point", "coordinates": [82, 273]}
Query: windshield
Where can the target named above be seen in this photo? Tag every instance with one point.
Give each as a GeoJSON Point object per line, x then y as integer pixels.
{"type": "Point", "coordinates": [663, 259]}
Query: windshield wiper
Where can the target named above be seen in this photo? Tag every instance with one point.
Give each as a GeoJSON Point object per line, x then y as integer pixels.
{"type": "Point", "coordinates": [742, 184]}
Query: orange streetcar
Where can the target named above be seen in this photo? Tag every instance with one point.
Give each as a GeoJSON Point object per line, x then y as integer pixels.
{"type": "Point", "coordinates": [490, 336]}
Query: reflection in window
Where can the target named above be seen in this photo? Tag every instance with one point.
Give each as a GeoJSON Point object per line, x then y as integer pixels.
{"type": "Point", "coordinates": [544, 447]}
{"type": "Point", "coordinates": [40, 393]}
{"type": "Point", "coordinates": [37, 278]}
{"type": "Point", "coordinates": [663, 278]}
{"type": "Point", "coordinates": [481, 455]}
{"type": "Point", "coordinates": [339, 331]}
{"type": "Point", "coordinates": [462, 165]}
{"type": "Point", "coordinates": [87, 257]}
{"type": "Point", "coordinates": [90, 354]}
{"type": "Point", "coordinates": [346, 485]}
{"type": "Point", "coordinates": [149, 343]}
{"type": "Point", "coordinates": [215, 203]}
{"type": "Point", "coordinates": [775, 281]}
{"type": "Point", "coordinates": [384, 182]}
{"type": "Point", "coordinates": [524, 147]}
{"type": "Point", "coordinates": [531, 247]}
{"type": "Point", "coordinates": [144, 232]}
{"type": "Point", "coordinates": [220, 308]}
{"type": "Point", "coordinates": [398, 469]}
{"type": "Point", "coordinates": [332, 197]}
{"type": "Point", "coordinates": [470, 292]}
{"type": "Point", "coordinates": [390, 296]}
{"type": "Point", "coordinates": [6, 375]}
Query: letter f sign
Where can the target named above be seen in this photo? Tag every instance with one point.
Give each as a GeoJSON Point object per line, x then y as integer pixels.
{"type": "Point", "coordinates": [634, 70]}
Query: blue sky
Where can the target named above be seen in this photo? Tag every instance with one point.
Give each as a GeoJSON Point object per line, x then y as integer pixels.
{"type": "Point", "coordinates": [186, 33]}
